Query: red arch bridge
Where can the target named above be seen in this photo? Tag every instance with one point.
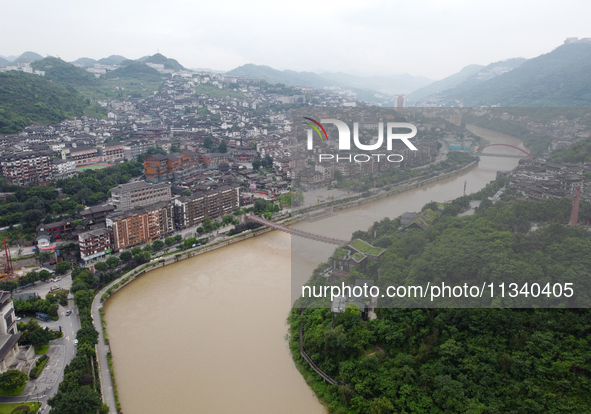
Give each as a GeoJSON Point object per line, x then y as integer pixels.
{"type": "Point", "coordinates": [295, 232]}
{"type": "Point", "coordinates": [502, 145]}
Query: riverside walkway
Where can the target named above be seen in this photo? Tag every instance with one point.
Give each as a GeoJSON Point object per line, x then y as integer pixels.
{"type": "Point", "coordinates": [295, 232]}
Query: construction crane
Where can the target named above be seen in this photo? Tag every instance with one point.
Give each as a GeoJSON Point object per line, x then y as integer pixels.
{"type": "Point", "coordinates": [8, 269]}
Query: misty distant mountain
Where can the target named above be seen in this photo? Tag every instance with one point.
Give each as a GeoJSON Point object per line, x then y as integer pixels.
{"type": "Point", "coordinates": [65, 73]}
{"type": "Point", "coordinates": [307, 79]}
{"type": "Point", "coordinates": [112, 60]}
{"type": "Point", "coordinates": [359, 85]}
{"type": "Point", "coordinates": [385, 84]}
{"type": "Point", "coordinates": [85, 62]}
{"type": "Point", "coordinates": [559, 78]}
{"type": "Point", "coordinates": [287, 77]}
{"type": "Point", "coordinates": [4, 62]}
{"type": "Point", "coordinates": [445, 83]}
{"type": "Point", "coordinates": [392, 84]}
{"type": "Point", "coordinates": [28, 57]}
{"type": "Point", "coordinates": [10, 58]}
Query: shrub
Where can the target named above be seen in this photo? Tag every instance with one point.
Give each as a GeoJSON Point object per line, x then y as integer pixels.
{"type": "Point", "coordinates": [36, 370]}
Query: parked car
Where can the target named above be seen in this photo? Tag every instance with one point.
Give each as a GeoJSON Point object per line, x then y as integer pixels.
{"type": "Point", "coordinates": [75, 342]}
{"type": "Point", "coordinates": [18, 318]}
{"type": "Point", "coordinates": [68, 313]}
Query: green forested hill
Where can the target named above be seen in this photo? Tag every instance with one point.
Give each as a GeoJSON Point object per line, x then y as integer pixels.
{"type": "Point", "coordinates": [65, 73]}
{"type": "Point", "coordinates": [559, 78]}
{"type": "Point", "coordinates": [461, 360]}
{"type": "Point", "coordinates": [578, 152]}
{"type": "Point", "coordinates": [135, 70]}
{"type": "Point", "coordinates": [163, 60]}
{"type": "Point", "coordinates": [26, 98]}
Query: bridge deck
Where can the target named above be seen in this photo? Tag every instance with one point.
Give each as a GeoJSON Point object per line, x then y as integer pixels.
{"type": "Point", "coordinates": [295, 232]}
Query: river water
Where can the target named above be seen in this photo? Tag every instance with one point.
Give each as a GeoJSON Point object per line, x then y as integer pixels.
{"type": "Point", "coordinates": [207, 334]}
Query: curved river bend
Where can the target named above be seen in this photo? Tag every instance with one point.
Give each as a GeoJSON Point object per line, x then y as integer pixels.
{"type": "Point", "coordinates": [207, 334]}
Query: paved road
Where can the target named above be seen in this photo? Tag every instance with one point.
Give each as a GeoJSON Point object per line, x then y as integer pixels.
{"type": "Point", "coordinates": [42, 288]}
{"type": "Point", "coordinates": [61, 352]}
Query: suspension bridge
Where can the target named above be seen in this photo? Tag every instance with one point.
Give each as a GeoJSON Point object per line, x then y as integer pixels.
{"type": "Point", "coordinates": [295, 232]}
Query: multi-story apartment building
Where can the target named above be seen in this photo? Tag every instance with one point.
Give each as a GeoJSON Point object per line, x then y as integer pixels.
{"type": "Point", "coordinates": [191, 210]}
{"type": "Point", "coordinates": [95, 244]}
{"type": "Point", "coordinates": [134, 148]}
{"type": "Point", "coordinates": [159, 168]}
{"type": "Point", "coordinates": [26, 168]}
{"type": "Point", "coordinates": [139, 193]}
{"type": "Point", "coordinates": [111, 152]}
{"type": "Point", "coordinates": [63, 168]}
{"type": "Point", "coordinates": [81, 155]}
{"type": "Point", "coordinates": [141, 225]}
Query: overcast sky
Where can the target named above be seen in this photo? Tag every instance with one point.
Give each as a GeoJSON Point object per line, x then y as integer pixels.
{"type": "Point", "coordinates": [433, 38]}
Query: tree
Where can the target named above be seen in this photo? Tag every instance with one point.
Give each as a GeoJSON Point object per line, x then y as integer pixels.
{"type": "Point", "coordinates": [207, 142]}
{"type": "Point", "coordinates": [40, 337]}
{"type": "Point", "coordinates": [101, 266]}
{"type": "Point", "coordinates": [12, 380]}
{"type": "Point", "coordinates": [113, 262]}
{"type": "Point", "coordinates": [207, 224]}
{"type": "Point", "coordinates": [44, 275]}
{"type": "Point", "coordinates": [174, 148]}
{"type": "Point", "coordinates": [157, 245]}
{"type": "Point", "coordinates": [126, 256]}
{"type": "Point", "coordinates": [178, 238]}
{"type": "Point", "coordinates": [186, 192]}
{"type": "Point", "coordinates": [169, 241]}
{"type": "Point", "coordinates": [83, 298]}
{"type": "Point", "coordinates": [62, 267]}
{"type": "Point", "coordinates": [223, 147]}
{"type": "Point", "coordinates": [80, 400]}
{"type": "Point", "coordinates": [256, 164]}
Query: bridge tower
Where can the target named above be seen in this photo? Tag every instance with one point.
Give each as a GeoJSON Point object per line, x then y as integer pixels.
{"type": "Point", "coordinates": [574, 214]}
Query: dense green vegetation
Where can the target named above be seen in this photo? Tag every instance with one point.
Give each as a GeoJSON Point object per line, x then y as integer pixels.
{"type": "Point", "coordinates": [64, 73]}
{"type": "Point", "coordinates": [33, 305]}
{"type": "Point", "coordinates": [461, 360]}
{"type": "Point", "coordinates": [578, 152]}
{"type": "Point", "coordinates": [12, 382]}
{"type": "Point", "coordinates": [27, 98]}
{"type": "Point", "coordinates": [33, 205]}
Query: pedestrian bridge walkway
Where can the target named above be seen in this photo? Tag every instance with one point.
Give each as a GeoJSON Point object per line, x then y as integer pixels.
{"type": "Point", "coordinates": [295, 232]}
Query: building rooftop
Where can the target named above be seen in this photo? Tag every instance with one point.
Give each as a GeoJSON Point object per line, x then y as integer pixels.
{"type": "Point", "coordinates": [366, 248]}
